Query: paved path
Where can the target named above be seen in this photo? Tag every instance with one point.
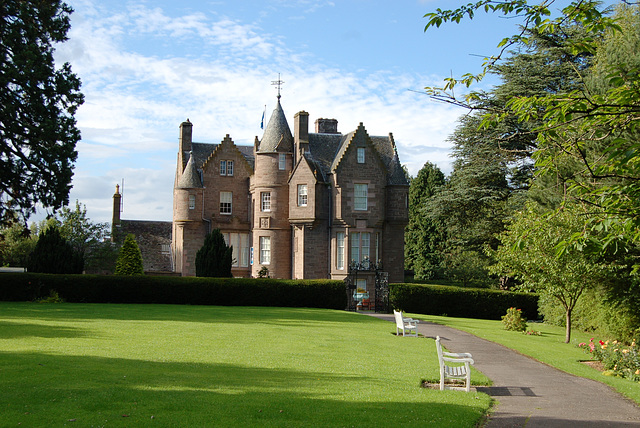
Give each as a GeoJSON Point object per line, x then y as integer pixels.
{"type": "Point", "coordinates": [531, 394]}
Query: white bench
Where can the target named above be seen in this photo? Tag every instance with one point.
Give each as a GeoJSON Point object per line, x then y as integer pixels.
{"type": "Point", "coordinates": [460, 370]}
{"type": "Point", "coordinates": [406, 325]}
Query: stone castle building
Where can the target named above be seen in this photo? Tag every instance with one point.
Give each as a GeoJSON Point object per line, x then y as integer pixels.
{"type": "Point", "coordinates": [303, 205]}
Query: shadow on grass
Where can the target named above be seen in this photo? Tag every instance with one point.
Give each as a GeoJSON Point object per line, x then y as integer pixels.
{"type": "Point", "coordinates": [17, 330]}
{"type": "Point", "coordinates": [50, 390]}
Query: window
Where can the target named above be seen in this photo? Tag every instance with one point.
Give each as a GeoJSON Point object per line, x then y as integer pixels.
{"type": "Point", "coordinates": [265, 201]}
{"type": "Point", "coordinates": [265, 250]}
{"type": "Point", "coordinates": [360, 197]}
{"type": "Point", "coordinates": [360, 154]}
{"type": "Point", "coordinates": [226, 167]}
{"type": "Point", "coordinates": [282, 161]}
{"type": "Point", "coordinates": [192, 202]}
{"type": "Point", "coordinates": [302, 195]}
{"type": "Point", "coordinates": [240, 244]}
{"type": "Point", "coordinates": [226, 200]}
{"type": "Point", "coordinates": [340, 250]}
{"type": "Point", "coordinates": [360, 245]}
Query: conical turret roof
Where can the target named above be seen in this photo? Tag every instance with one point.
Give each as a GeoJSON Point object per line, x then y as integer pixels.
{"type": "Point", "coordinates": [277, 136]}
{"type": "Point", "coordinates": [190, 178]}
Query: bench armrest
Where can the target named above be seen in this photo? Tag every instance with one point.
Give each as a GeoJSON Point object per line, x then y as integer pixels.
{"type": "Point", "coordinates": [410, 320]}
{"type": "Point", "coordinates": [458, 360]}
{"type": "Point", "coordinates": [457, 354]}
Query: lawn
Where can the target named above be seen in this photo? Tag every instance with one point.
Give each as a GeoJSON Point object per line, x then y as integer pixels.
{"type": "Point", "coordinates": [165, 365]}
{"type": "Point", "coordinates": [548, 348]}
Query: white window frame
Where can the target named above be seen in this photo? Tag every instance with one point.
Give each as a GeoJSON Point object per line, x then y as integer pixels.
{"type": "Point", "coordinates": [303, 196]}
{"type": "Point", "coordinates": [360, 154]}
{"type": "Point", "coordinates": [226, 203]}
{"type": "Point", "coordinates": [265, 201]}
{"type": "Point", "coordinates": [226, 168]}
{"type": "Point", "coordinates": [282, 161]}
{"type": "Point", "coordinates": [192, 202]}
{"type": "Point", "coordinates": [360, 196]}
{"type": "Point", "coordinates": [265, 250]}
{"type": "Point", "coordinates": [360, 246]}
{"type": "Point", "coordinates": [340, 250]}
{"type": "Point", "coordinates": [240, 244]}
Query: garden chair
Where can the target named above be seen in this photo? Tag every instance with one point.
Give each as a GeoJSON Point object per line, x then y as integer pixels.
{"type": "Point", "coordinates": [408, 326]}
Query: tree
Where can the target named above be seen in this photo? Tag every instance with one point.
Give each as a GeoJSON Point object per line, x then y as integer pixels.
{"type": "Point", "coordinates": [16, 243]}
{"type": "Point", "coordinates": [53, 254]}
{"type": "Point", "coordinates": [528, 253]}
{"type": "Point", "coordinates": [129, 260]}
{"type": "Point", "coordinates": [423, 236]}
{"type": "Point", "coordinates": [37, 105]}
{"type": "Point", "coordinates": [215, 257]}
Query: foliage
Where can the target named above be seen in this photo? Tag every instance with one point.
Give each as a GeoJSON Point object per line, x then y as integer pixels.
{"type": "Point", "coordinates": [215, 257]}
{"type": "Point", "coordinates": [38, 130]}
{"type": "Point", "coordinates": [263, 272]}
{"type": "Point", "coordinates": [129, 260]}
{"type": "Point", "coordinates": [424, 236]}
{"type": "Point", "coordinates": [459, 301]}
{"type": "Point", "coordinates": [514, 321]}
{"type": "Point", "coordinates": [16, 243]}
{"type": "Point", "coordinates": [324, 293]}
{"type": "Point", "coordinates": [617, 359]}
{"type": "Point", "coordinates": [528, 253]}
{"type": "Point", "coordinates": [53, 297]}
{"type": "Point", "coordinates": [53, 254]}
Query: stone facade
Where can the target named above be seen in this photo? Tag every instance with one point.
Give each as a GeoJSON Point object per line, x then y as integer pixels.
{"type": "Point", "coordinates": [303, 205]}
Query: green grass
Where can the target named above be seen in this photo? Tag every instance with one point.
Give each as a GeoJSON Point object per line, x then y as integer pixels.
{"type": "Point", "coordinates": [548, 348]}
{"type": "Point", "coordinates": [162, 365]}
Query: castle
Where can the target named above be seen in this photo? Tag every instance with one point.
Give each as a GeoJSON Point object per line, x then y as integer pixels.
{"type": "Point", "coordinates": [303, 205]}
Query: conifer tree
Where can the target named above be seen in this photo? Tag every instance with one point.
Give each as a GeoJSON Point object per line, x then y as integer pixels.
{"type": "Point", "coordinates": [53, 254]}
{"type": "Point", "coordinates": [129, 260]}
{"type": "Point", "coordinates": [215, 257]}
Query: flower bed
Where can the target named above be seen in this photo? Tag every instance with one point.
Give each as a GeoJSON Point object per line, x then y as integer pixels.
{"type": "Point", "coordinates": [617, 359]}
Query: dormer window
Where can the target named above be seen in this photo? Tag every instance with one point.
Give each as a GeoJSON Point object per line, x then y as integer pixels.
{"type": "Point", "coordinates": [226, 168]}
{"type": "Point", "coordinates": [360, 154]}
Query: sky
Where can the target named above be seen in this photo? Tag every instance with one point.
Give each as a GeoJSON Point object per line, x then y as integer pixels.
{"type": "Point", "coordinates": [147, 66]}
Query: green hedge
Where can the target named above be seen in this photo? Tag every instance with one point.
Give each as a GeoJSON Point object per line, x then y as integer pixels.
{"type": "Point", "coordinates": [461, 302]}
{"type": "Point", "coordinates": [328, 294]}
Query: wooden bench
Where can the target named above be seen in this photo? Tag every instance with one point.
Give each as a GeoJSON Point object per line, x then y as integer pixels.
{"type": "Point", "coordinates": [406, 325]}
{"type": "Point", "coordinates": [457, 369]}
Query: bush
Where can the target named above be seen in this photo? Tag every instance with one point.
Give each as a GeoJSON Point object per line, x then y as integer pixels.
{"type": "Point", "coordinates": [329, 294]}
{"type": "Point", "coordinates": [461, 301]}
{"type": "Point", "coordinates": [129, 260]}
{"type": "Point", "coordinates": [617, 359]}
{"type": "Point", "coordinates": [514, 321]}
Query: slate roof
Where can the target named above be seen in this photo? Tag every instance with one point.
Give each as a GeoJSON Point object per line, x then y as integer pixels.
{"type": "Point", "coordinates": [190, 178]}
{"type": "Point", "coordinates": [277, 135]}
{"type": "Point", "coordinates": [326, 150]}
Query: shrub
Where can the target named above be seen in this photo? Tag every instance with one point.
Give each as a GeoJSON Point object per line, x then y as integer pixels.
{"type": "Point", "coordinates": [214, 259]}
{"type": "Point", "coordinates": [129, 260]}
{"type": "Point", "coordinates": [514, 321]}
{"type": "Point", "coordinates": [461, 301]}
{"type": "Point", "coordinates": [617, 359]}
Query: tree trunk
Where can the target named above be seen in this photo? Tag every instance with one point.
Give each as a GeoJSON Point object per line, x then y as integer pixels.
{"type": "Point", "coordinates": [568, 323]}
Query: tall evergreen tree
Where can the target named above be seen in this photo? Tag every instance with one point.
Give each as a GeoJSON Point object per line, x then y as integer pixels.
{"type": "Point", "coordinates": [424, 237]}
{"type": "Point", "coordinates": [215, 257]}
{"type": "Point", "coordinates": [38, 131]}
{"type": "Point", "coordinates": [53, 254]}
{"type": "Point", "coordinates": [129, 260]}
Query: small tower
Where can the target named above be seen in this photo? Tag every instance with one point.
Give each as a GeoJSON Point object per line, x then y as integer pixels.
{"type": "Point", "coordinates": [115, 219]}
{"type": "Point", "coordinates": [270, 193]}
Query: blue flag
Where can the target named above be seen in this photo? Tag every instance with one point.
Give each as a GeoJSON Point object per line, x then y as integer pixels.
{"type": "Point", "coordinates": [262, 122]}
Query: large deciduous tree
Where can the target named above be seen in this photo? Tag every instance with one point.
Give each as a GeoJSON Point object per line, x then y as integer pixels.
{"type": "Point", "coordinates": [38, 132]}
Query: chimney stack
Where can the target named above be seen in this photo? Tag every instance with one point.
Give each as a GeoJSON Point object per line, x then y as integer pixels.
{"type": "Point", "coordinates": [327, 126]}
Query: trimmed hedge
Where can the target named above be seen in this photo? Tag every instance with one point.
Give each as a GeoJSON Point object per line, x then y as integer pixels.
{"type": "Point", "coordinates": [328, 294]}
{"type": "Point", "coordinates": [461, 302]}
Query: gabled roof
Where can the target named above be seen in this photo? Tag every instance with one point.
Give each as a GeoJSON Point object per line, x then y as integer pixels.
{"type": "Point", "coordinates": [202, 152]}
{"type": "Point", "coordinates": [245, 151]}
{"type": "Point", "coordinates": [277, 135]}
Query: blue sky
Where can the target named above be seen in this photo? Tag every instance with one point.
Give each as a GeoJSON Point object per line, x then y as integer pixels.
{"type": "Point", "coordinates": [146, 66]}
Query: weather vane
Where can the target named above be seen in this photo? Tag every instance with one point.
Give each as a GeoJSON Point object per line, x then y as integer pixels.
{"type": "Point", "coordinates": [278, 83]}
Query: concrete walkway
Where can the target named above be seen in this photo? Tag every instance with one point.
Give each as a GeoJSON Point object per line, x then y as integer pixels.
{"type": "Point", "coordinates": [531, 394]}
